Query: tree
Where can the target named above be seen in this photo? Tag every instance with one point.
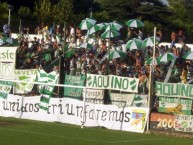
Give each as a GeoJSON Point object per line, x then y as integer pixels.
{"type": "Point", "coordinates": [24, 12]}
{"type": "Point", "coordinates": [3, 10]}
{"type": "Point", "coordinates": [43, 11]}
{"type": "Point", "coordinates": [62, 11]}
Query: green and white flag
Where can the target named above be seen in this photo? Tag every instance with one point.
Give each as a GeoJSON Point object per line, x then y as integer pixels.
{"type": "Point", "coordinates": [52, 78]}
{"type": "Point", "coordinates": [44, 102]}
{"type": "Point", "coordinates": [175, 105]}
{"type": "Point", "coordinates": [28, 75]}
{"type": "Point", "coordinates": [41, 78]}
{"type": "Point", "coordinates": [46, 90]}
{"type": "Point", "coordinates": [76, 81]}
{"type": "Point", "coordinates": [5, 88]}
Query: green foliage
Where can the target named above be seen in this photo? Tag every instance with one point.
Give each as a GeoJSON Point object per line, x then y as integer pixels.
{"type": "Point", "coordinates": [3, 10]}
{"type": "Point", "coordinates": [24, 12]}
{"type": "Point", "coordinates": [102, 16]}
{"type": "Point", "coordinates": [62, 11]}
{"type": "Point", "coordinates": [43, 10]}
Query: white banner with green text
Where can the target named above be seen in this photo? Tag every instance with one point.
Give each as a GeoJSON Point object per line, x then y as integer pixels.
{"type": "Point", "coordinates": [112, 82]}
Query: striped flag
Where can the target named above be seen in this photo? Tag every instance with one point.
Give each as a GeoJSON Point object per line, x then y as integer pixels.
{"type": "Point", "coordinates": [46, 90]}
{"type": "Point", "coordinates": [44, 102]}
{"type": "Point", "coordinates": [41, 78]}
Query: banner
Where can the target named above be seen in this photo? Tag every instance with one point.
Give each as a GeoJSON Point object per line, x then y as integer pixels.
{"type": "Point", "coordinates": [128, 100]}
{"type": "Point", "coordinates": [66, 110]}
{"type": "Point", "coordinates": [5, 88]}
{"type": "Point", "coordinates": [122, 100]}
{"type": "Point", "coordinates": [174, 90]}
{"type": "Point", "coordinates": [75, 81]}
{"type": "Point", "coordinates": [94, 96]}
{"type": "Point", "coordinates": [175, 105]}
{"type": "Point", "coordinates": [112, 82]}
{"type": "Point", "coordinates": [163, 122]}
{"type": "Point", "coordinates": [184, 123]}
{"type": "Point", "coordinates": [7, 62]}
{"type": "Point", "coordinates": [27, 75]}
{"type": "Point", "coordinates": [44, 101]}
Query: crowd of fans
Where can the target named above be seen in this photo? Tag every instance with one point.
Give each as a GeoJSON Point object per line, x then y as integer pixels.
{"type": "Point", "coordinates": [48, 45]}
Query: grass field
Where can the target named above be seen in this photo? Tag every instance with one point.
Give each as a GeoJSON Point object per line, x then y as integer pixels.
{"type": "Point", "coordinates": [27, 132]}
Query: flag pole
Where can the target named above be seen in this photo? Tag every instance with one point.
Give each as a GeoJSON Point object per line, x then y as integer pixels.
{"type": "Point", "coordinates": [151, 80]}
{"type": "Point", "coordinates": [61, 65]}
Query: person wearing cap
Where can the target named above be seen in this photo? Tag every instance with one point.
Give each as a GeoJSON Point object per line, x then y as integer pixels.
{"type": "Point", "coordinates": [6, 29]}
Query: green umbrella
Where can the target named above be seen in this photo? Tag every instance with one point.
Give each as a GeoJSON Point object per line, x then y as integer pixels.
{"type": "Point", "coordinates": [168, 57]}
{"type": "Point", "coordinates": [134, 23]}
{"type": "Point", "coordinates": [94, 29]}
{"type": "Point", "coordinates": [87, 24]}
{"type": "Point", "coordinates": [188, 55]}
{"type": "Point", "coordinates": [110, 34]}
{"type": "Point", "coordinates": [134, 44]}
{"type": "Point", "coordinates": [86, 45]}
{"type": "Point", "coordinates": [149, 41]}
{"type": "Point", "coordinates": [116, 54]}
{"type": "Point", "coordinates": [112, 26]}
{"type": "Point", "coordinates": [150, 61]}
{"type": "Point", "coordinates": [102, 24]}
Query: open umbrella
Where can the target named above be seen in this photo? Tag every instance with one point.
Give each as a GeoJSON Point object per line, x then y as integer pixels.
{"type": "Point", "coordinates": [134, 44]}
{"type": "Point", "coordinates": [150, 61]}
{"type": "Point", "coordinates": [134, 23]}
{"type": "Point", "coordinates": [94, 29]}
{"type": "Point", "coordinates": [86, 45]}
{"type": "Point", "coordinates": [188, 55]}
{"type": "Point", "coordinates": [112, 26]}
{"type": "Point", "coordinates": [102, 24]}
{"type": "Point", "coordinates": [168, 57]}
{"type": "Point", "coordinates": [87, 24]}
{"type": "Point", "coordinates": [110, 34]}
{"type": "Point", "coordinates": [149, 41]}
{"type": "Point", "coordinates": [116, 54]}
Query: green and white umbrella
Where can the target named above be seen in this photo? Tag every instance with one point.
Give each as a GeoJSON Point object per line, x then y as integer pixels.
{"type": "Point", "coordinates": [150, 61]}
{"type": "Point", "coordinates": [149, 41]}
{"type": "Point", "coordinates": [112, 26]}
{"type": "Point", "coordinates": [188, 55]}
{"type": "Point", "coordinates": [168, 57]}
{"type": "Point", "coordinates": [94, 29]}
{"type": "Point", "coordinates": [102, 24]}
{"type": "Point", "coordinates": [110, 34]}
{"type": "Point", "coordinates": [134, 23]}
{"type": "Point", "coordinates": [86, 45]}
{"type": "Point", "coordinates": [134, 44]}
{"type": "Point", "coordinates": [87, 24]}
{"type": "Point", "coordinates": [116, 54]}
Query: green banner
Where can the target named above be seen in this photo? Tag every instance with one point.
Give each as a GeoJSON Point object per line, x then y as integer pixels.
{"type": "Point", "coordinates": [112, 82]}
{"type": "Point", "coordinates": [174, 90]}
{"type": "Point", "coordinates": [175, 105]}
{"type": "Point", "coordinates": [75, 81]}
{"type": "Point", "coordinates": [5, 88]}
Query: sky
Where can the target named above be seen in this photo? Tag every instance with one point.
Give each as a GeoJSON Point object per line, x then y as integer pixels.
{"type": "Point", "coordinates": [165, 1]}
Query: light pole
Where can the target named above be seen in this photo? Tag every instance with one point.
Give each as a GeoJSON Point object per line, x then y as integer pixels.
{"type": "Point", "coordinates": [9, 16]}
{"type": "Point", "coordinates": [91, 9]}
